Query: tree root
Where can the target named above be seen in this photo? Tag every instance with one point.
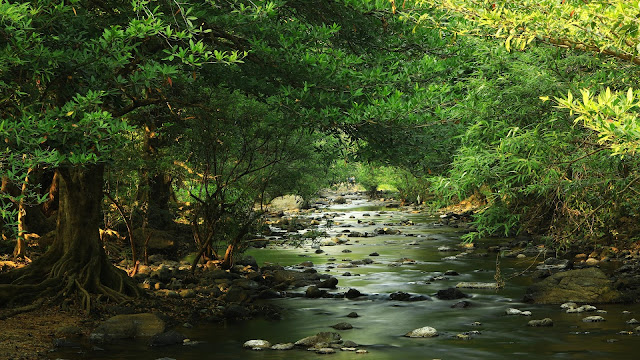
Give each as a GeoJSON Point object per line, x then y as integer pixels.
{"type": "Point", "coordinates": [22, 309]}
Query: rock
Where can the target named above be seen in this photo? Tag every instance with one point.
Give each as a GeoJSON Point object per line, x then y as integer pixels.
{"type": "Point", "coordinates": [68, 331]}
{"type": "Point", "coordinates": [345, 348]}
{"type": "Point", "coordinates": [423, 332]}
{"type": "Point", "coordinates": [285, 346]}
{"type": "Point", "coordinates": [306, 264]}
{"type": "Point", "coordinates": [353, 314]}
{"type": "Point", "coordinates": [593, 319]}
{"type": "Point", "coordinates": [555, 264]}
{"type": "Point", "coordinates": [326, 351]}
{"type": "Point", "coordinates": [451, 273]}
{"type": "Point", "coordinates": [314, 292]}
{"type": "Point", "coordinates": [352, 294]}
{"type": "Point", "coordinates": [543, 322]}
{"type": "Point", "coordinates": [128, 326]}
{"type": "Point", "coordinates": [461, 305]}
{"type": "Point", "coordinates": [187, 293]}
{"type": "Point", "coordinates": [591, 262]}
{"type": "Point", "coordinates": [170, 337]}
{"type": "Point", "coordinates": [374, 254]}
{"type": "Point", "coordinates": [450, 294]}
{"type": "Point", "coordinates": [512, 311]}
{"type": "Point", "coordinates": [342, 326]}
{"type": "Point", "coordinates": [323, 337]}
{"type": "Point", "coordinates": [633, 322]}
{"type": "Point", "coordinates": [582, 285]}
{"type": "Point", "coordinates": [477, 285]}
{"type": "Point", "coordinates": [526, 313]}
{"type": "Point", "coordinates": [569, 305]}
{"type": "Point", "coordinates": [350, 344]}
{"type": "Point", "coordinates": [445, 248]}
{"type": "Point", "coordinates": [258, 345]}
{"type": "Point", "coordinates": [362, 351]}
{"type": "Point", "coordinates": [403, 296]}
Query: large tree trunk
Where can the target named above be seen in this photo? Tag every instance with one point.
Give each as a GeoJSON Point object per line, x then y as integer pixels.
{"type": "Point", "coordinates": [155, 189]}
{"type": "Point", "coordinates": [76, 262]}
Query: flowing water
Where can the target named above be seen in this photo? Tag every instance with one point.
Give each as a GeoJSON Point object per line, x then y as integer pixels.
{"type": "Point", "coordinates": [382, 322]}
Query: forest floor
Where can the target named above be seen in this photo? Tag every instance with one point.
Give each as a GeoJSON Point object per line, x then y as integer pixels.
{"type": "Point", "coordinates": [30, 335]}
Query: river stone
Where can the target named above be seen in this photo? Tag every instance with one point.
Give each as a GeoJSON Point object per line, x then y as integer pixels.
{"type": "Point", "coordinates": [450, 294]}
{"type": "Point", "coordinates": [326, 351]}
{"type": "Point", "coordinates": [342, 326]}
{"type": "Point", "coordinates": [322, 337]}
{"type": "Point", "coordinates": [569, 305]}
{"type": "Point", "coordinates": [361, 351]}
{"type": "Point", "coordinates": [256, 344]}
{"type": "Point", "coordinates": [170, 337]}
{"type": "Point", "coordinates": [286, 346]}
{"type": "Point", "coordinates": [543, 322]}
{"type": "Point", "coordinates": [477, 285]}
{"type": "Point", "coordinates": [353, 314]}
{"type": "Point", "coordinates": [129, 326]}
{"type": "Point", "coordinates": [595, 318]}
{"type": "Point", "coordinates": [512, 311]}
{"type": "Point", "coordinates": [350, 344]}
{"type": "Point", "coordinates": [582, 285]}
{"type": "Point", "coordinates": [314, 292]}
{"type": "Point", "coordinates": [423, 332]}
{"type": "Point", "coordinates": [352, 294]}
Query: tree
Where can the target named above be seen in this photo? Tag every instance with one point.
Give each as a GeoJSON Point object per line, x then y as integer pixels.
{"type": "Point", "coordinates": [70, 74]}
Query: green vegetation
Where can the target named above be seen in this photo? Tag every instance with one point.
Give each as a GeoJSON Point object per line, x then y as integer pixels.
{"type": "Point", "coordinates": [203, 112]}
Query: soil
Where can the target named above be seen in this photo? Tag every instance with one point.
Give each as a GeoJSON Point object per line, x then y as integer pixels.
{"type": "Point", "coordinates": [30, 335]}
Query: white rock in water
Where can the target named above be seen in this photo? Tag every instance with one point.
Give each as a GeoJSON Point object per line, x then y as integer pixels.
{"type": "Point", "coordinates": [589, 308]}
{"type": "Point", "coordinates": [256, 344]}
{"type": "Point", "coordinates": [424, 332]}
{"type": "Point", "coordinates": [593, 319]}
{"type": "Point", "coordinates": [633, 321]}
{"type": "Point", "coordinates": [526, 313]}
{"type": "Point", "coordinates": [326, 351]}
{"type": "Point", "coordinates": [512, 311]}
{"type": "Point", "coordinates": [575, 310]}
{"type": "Point", "coordinates": [477, 285]}
{"type": "Point", "coordinates": [287, 346]}
{"type": "Point", "coordinates": [361, 351]}
{"type": "Point", "coordinates": [569, 305]}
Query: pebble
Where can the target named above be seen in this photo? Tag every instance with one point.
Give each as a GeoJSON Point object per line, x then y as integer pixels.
{"type": "Point", "coordinates": [353, 314]}
{"type": "Point", "coordinates": [633, 322]}
{"type": "Point", "coordinates": [361, 351]}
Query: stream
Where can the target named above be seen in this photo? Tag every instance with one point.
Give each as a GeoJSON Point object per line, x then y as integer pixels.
{"type": "Point", "coordinates": [382, 322]}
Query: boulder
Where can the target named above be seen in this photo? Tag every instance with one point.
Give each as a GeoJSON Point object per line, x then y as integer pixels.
{"type": "Point", "coordinates": [423, 332]}
{"type": "Point", "coordinates": [170, 337]}
{"type": "Point", "coordinates": [582, 285]}
{"type": "Point", "coordinates": [319, 338]}
{"type": "Point", "coordinates": [129, 326]}
{"type": "Point", "coordinates": [450, 294]}
{"type": "Point", "coordinates": [256, 344]}
{"type": "Point", "coordinates": [342, 326]}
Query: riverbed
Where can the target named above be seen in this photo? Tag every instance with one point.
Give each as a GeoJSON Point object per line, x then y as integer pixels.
{"type": "Point", "coordinates": [411, 262]}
